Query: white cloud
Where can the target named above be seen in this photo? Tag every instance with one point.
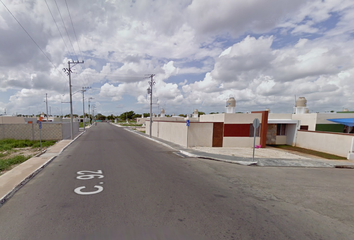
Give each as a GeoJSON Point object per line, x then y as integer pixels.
{"type": "Point", "coordinates": [259, 51]}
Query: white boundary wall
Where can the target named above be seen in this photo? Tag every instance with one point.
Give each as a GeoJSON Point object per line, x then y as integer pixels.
{"type": "Point", "coordinates": [199, 134]}
{"type": "Point", "coordinates": [333, 143]}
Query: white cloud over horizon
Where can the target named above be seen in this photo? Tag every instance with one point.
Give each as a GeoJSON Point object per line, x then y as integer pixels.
{"type": "Point", "coordinates": [201, 51]}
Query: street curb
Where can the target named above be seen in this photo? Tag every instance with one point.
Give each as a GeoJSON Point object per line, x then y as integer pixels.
{"type": "Point", "coordinates": [244, 163]}
{"type": "Point", "coordinates": [7, 196]}
{"type": "Point", "coordinates": [71, 142]}
{"type": "Point", "coordinates": [239, 162]}
{"type": "Point", "coordinates": [133, 131]}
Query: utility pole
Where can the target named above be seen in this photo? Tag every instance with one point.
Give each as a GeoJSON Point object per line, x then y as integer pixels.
{"type": "Point", "coordinates": [89, 108]}
{"type": "Point", "coordinates": [68, 71]}
{"type": "Point", "coordinates": [83, 104]}
{"type": "Point", "coordinates": [93, 113]}
{"type": "Point", "coordinates": [149, 91]}
{"type": "Point", "coordinates": [46, 104]}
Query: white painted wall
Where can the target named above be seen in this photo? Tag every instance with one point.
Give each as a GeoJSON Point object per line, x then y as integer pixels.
{"type": "Point", "coordinates": [308, 119]}
{"type": "Point", "coordinates": [200, 135]}
{"type": "Point", "coordinates": [239, 141]}
{"type": "Point", "coordinates": [242, 118]}
{"type": "Point", "coordinates": [212, 118]}
{"type": "Point", "coordinates": [337, 144]}
{"type": "Point", "coordinates": [291, 130]}
{"type": "Point", "coordinates": [175, 132]}
{"type": "Point", "coordinates": [279, 115]}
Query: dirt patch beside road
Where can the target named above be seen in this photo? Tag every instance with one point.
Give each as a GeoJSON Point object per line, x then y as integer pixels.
{"type": "Point", "coordinates": [6, 156]}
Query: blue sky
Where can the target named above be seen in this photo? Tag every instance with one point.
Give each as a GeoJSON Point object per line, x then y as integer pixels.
{"type": "Point", "coordinates": [263, 53]}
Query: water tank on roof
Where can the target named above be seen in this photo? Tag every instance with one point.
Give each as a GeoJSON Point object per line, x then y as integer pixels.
{"type": "Point", "coordinates": [195, 113]}
{"type": "Point", "coordinates": [300, 106]}
{"type": "Point", "coordinates": [162, 112]}
{"type": "Point", "coordinates": [230, 105]}
{"type": "Point", "coordinates": [301, 102]}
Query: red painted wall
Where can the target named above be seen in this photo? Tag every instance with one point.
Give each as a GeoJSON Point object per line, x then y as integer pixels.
{"type": "Point", "coordinates": [237, 130]}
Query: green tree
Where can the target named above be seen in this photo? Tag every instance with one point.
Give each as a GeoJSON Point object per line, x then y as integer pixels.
{"type": "Point", "coordinates": [137, 116]}
{"type": "Point", "coordinates": [183, 115]}
{"type": "Point", "coordinates": [111, 117]}
{"type": "Point", "coordinates": [127, 115]}
{"type": "Point", "coordinates": [99, 116]}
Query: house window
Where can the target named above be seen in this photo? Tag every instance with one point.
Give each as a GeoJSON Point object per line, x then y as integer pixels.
{"type": "Point", "coordinates": [281, 129]}
{"type": "Point", "coordinates": [304, 127]}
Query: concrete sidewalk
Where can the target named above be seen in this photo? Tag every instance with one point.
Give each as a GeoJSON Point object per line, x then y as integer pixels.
{"type": "Point", "coordinates": [265, 157]}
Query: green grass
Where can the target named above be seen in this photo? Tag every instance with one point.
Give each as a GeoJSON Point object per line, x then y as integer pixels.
{"type": "Point", "coordinates": [81, 124]}
{"type": "Point", "coordinates": [6, 164]}
{"type": "Point", "coordinates": [9, 144]}
{"type": "Point", "coordinates": [7, 147]}
{"type": "Point", "coordinates": [308, 151]}
{"type": "Point", "coordinates": [45, 143]}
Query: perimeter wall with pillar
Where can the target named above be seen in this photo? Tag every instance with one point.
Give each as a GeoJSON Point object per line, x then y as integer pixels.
{"type": "Point", "coordinates": [213, 130]}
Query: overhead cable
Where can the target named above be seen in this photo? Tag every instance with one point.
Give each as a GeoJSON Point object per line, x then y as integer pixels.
{"type": "Point", "coordinates": [31, 37]}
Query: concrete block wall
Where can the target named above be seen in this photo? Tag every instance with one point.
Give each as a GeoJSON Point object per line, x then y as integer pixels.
{"type": "Point", "coordinates": [16, 131]}
{"type": "Point", "coordinates": [49, 131]}
{"type": "Point", "coordinates": [175, 132]}
{"type": "Point", "coordinates": [333, 143]}
{"type": "Point", "coordinates": [199, 134]}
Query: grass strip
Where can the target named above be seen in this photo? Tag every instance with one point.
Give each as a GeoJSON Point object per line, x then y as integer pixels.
{"type": "Point", "coordinates": [308, 151]}
{"type": "Point", "coordinates": [6, 164]}
{"type": "Point", "coordinates": [9, 144]}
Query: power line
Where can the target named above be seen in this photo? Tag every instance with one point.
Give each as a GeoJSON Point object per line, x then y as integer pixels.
{"type": "Point", "coordinates": [31, 38]}
{"type": "Point", "coordinates": [72, 24]}
{"type": "Point", "coordinates": [66, 47]}
{"type": "Point", "coordinates": [66, 30]}
{"type": "Point", "coordinates": [77, 41]}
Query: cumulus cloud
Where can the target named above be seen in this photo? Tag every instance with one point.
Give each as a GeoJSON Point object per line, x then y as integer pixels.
{"type": "Point", "coordinates": [238, 17]}
{"type": "Point", "coordinates": [201, 52]}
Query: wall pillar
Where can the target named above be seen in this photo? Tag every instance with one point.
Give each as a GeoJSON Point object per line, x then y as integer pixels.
{"type": "Point", "coordinates": [264, 128]}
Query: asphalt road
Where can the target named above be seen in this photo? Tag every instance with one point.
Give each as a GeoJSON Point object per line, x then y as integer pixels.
{"type": "Point", "coordinates": [113, 184]}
